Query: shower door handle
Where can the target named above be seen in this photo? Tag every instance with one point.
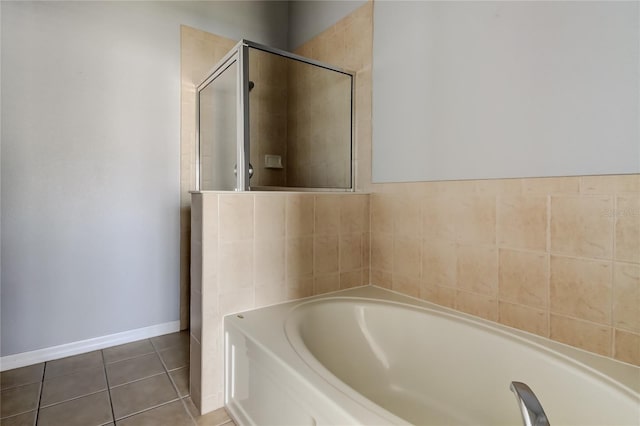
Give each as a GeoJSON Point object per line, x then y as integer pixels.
{"type": "Point", "coordinates": [235, 170]}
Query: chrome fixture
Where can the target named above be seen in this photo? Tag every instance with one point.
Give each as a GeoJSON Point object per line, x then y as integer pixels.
{"type": "Point", "coordinates": [530, 407]}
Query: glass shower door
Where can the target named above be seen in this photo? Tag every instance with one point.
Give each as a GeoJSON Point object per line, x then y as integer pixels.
{"type": "Point", "coordinates": [218, 130]}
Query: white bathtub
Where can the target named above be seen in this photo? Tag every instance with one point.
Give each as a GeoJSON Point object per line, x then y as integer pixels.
{"type": "Point", "coordinates": [369, 356]}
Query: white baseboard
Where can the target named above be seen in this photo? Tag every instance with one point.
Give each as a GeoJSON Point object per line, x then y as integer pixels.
{"type": "Point", "coordinates": [23, 359]}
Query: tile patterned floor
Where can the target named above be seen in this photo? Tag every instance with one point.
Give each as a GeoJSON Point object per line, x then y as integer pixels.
{"type": "Point", "coordinates": [140, 383]}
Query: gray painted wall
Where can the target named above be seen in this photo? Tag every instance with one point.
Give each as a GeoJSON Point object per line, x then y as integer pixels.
{"type": "Point", "coordinates": [310, 18]}
{"type": "Point", "coordinates": [471, 90]}
{"type": "Point", "coordinates": [90, 111]}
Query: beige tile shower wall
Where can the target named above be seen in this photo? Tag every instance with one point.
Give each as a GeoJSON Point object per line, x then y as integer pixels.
{"type": "Point", "coordinates": [558, 257]}
{"type": "Point", "coordinates": [199, 52]}
{"type": "Point", "coordinates": [349, 45]}
{"type": "Point", "coordinates": [254, 249]}
{"type": "Point", "coordinates": [268, 116]}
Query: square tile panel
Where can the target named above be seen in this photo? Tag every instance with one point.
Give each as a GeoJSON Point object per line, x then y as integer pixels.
{"type": "Point", "coordinates": [21, 376]}
{"type": "Point", "coordinates": [134, 369]}
{"type": "Point", "coordinates": [180, 379]}
{"type": "Point", "coordinates": [70, 386]}
{"type": "Point", "coordinates": [170, 340]}
{"type": "Point", "coordinates": [129, 350]}
{"type": "Point", "coordinates": [19, 400]}
{"type": "Point", "coordinates": [91, 410]}
{"type": "Point", "coordinates": [176, 357]}
{"type": "Point", "coordinates": [25, 419]}
{"type": "Point", "coordinates": [171, 414]}
{"type": "Point", "coordinates": [72, 364]}
{"type": "Point", "coordinates": [142, 395]}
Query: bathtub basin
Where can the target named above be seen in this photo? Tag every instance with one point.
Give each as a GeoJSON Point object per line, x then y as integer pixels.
{"type": "Point", "coordinates": [370, 356]}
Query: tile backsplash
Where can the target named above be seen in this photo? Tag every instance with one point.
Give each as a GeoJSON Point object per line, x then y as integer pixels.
{"type": "Point", "coordinates": [558, 257]}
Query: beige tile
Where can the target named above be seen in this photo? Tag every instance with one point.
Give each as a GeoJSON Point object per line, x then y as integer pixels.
{"type": "Point", "coordinates": [406, 285]}
{"type": "Point", "coordinates": [269, 262]}
{"type": "Point", "coordinates": [238, 300]}
{"type": "Point", "coordinates": [439, 218]}
{"type": "Point", "coordinates": [269, 216]}
{"type": "Point", "coordinates": [524, 318]}
{"type": "Point", "coordinates": [351, 252]}
{"type": "Point", "coordinates": [327, 215]}
{"type": "Point", "coordinates": [523, 278]}
{"type": "Point", "coordinates": [626, 297]}
{"type": "Point", "coordinates": [176, 357]}
{"type": "Point", "coordinates": [236, 217]}
{"type": "Point", "coordinates": [72, 364]}
{"type": "Point", "coordinates": [382, 279]}
{"type": "Point", "coordinates": [522, 222]}
{"type": "Point", "coordinates": [235, 266]}
{"type": "Point", "coordinates": [407, 257]}
{"type": "Point", "coordinates": [407, 216]}
{"type": "Point", "coordinates": [351, 279]}
{"type": "Point", "coordinates": [581, 288]}
{"type": "Point", "coordinates": [476, 220]}
{"type": "Point", "coordinates": [270, 294]}
{"type": "Point", "coordinates": [477, 304]}
{"type": "Point", "coordinates": [498, 186]}
{"type": "Point", "coordinates": [627, 224]}
{"type": "Point", "coordinates": [171, 414]}
{"type": "Point", "coordinates": [138, 396]}
{"type": "Point", "coordinates": [325, 254]}
{"type": "Point", "coordinates": [627, 347]}
{"type": "Point", "coordinates": [299, 252]}
{"type": "Point", "coordinates": [326, 283]}
{"type": "Point", "coordinates": [609, 184]}
{"type": "Point", "coordinates": [444, 296]}
{"type": "Point", "coordinates": [80, 383]}
{"type": "Point", "coordinates": [21, 376]}
{"type": "Point", "coordinates": [580, 227]}
{"type": "Point", "coordinates": [128, 350]}
{"type": "Point", "coordinates": [581, 334]}
{"type": "Point", "coordinates": [171, 340]}
{"type": "Point", "coordinates": [439, 263]}
{"type": "Point", "coordinates": [91, 410]}
{"type": "Point", "coordinates": [26, 419]}
{"type": "Point", "coordinates": [553, 185]}
{"type": "Point", "coordinates": [19, 399]}
{"type": "Point", "coordinates": [382, 213]}
{"type": "Point", "coordinates": [382, 252]}
{"type": "Point", "coordinates": [299, 287]}
{"type": "Point", "coordinates": [133, 369]}
{"type": "Point", "coordinates": [299, 215]}
{"type": "Point", "coordinates": [477, 269]}
{"type": "Point", "coordinates": [354, 213]}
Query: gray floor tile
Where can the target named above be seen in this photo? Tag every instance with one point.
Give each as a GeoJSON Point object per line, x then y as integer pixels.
{"type": "Point", "coordinates": [181, 379]}
{"type": "Point", "coordinates": [171, 340]}
{"type": "Point", "coordinates": [74, 385]}
{"type": "Point", "coordinates": [133, 369]}
{"type": "Point", "coordinates": [129, 350]}
{"type": "Point", "coordinates": [26, 419]}
{"type": "Point", "coordinates": [21, 376]}
{"type": "Point", "coordinates": [138, 396]}
{"type": "Point", "coordinates": [19, 399]}
{"type": "Point", "coordinates": [176, 357]}
{"type": "Point", "coordinates": [72, 364]}
{"type": "Point", "coordinates": [91, 410]}
{"type": "Point", "coordinates": [172, 414]}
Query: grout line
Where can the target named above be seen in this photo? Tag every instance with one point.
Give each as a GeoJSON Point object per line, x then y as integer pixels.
{"type": "Point", "coordinates": [136, 380]}
{"type": "Point", "coordinates": [44, 370]}
{"type": "Point", "coordinates": [106, 376]}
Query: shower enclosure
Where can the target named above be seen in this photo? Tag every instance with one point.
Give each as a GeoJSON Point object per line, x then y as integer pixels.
{"type": "Point", "coordinates": [272, 120]}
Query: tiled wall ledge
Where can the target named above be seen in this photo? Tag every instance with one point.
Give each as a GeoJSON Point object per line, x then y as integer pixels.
{"type": "Point", "coordinates": [559, 257]}
{"type": "Point", "coordinates": [253, 249]}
